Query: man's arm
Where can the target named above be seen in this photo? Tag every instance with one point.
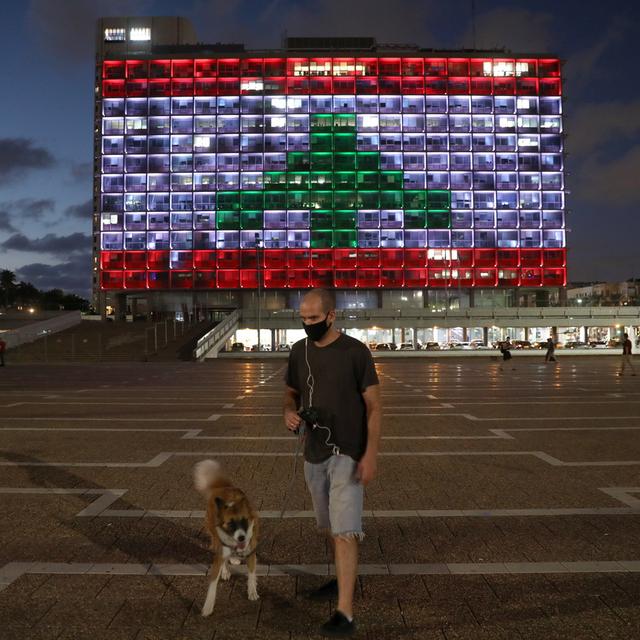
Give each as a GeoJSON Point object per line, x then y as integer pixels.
{"type": "Point", "coordinates": [367, 466]}
{"type": "Point", "coordinates": [291, 418]}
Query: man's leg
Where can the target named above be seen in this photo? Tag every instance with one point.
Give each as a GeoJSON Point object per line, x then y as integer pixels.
{"type": "Point", "coordinates": [346, 554]}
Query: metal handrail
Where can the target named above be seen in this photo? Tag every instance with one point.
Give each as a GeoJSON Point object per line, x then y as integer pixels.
{"type": "Point", "coordinates": [209, 339]}
{"type": "Point", "coordinates": [479, 312]}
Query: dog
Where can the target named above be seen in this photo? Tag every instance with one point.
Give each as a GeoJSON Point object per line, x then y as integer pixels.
{"type": "Point", "coordinates": [233, 526]}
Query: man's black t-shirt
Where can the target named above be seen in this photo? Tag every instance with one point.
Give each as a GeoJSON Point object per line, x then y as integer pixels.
{"type": "Point", "coordinates": [341, 371]}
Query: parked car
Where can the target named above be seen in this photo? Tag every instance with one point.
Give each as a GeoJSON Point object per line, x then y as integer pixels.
{"type": "Point", "coordinates": [521, 344]}
{"type": "Point", "coordinates": [432, 346]}
{"type": "Point", "coordinates": [478, 344]}
{"type": "Point", "coordinates": [614, 343]}
{"type": "Point", "coordinates": [598, 344]}
{"type": "Point", "coordinates": [459, 346]}
{"type": "Point", "coordinates": [284, 347]}
{"type": "Point", "coordinates": [406, 346]}
{"type": "Point", "coordinates": [393, 346]}
{"type": "Point", "coordinates": [383, 346]}
{"type": "Point", "coordinates": [237, 346]}
{"type": "Point", "coordinates": [575, 344]}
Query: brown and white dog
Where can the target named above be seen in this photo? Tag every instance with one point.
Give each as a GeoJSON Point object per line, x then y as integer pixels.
{"type": "Point", "coordinates": [233, 526]}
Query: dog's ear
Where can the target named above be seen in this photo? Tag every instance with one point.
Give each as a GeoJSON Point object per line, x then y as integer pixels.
{"type": "Point", "coordinates": [219, 502]}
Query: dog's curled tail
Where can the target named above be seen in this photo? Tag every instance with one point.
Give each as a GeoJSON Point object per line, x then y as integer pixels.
{"type": "Point", "coordinates": [205, 474]}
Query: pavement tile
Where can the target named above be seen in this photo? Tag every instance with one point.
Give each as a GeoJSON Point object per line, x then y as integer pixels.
{"type": "Point", "coordinates": [451, 575]}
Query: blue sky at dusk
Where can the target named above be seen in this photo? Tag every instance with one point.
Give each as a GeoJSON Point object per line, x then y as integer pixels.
{"type": "Point", "coordinates": [46, 128]}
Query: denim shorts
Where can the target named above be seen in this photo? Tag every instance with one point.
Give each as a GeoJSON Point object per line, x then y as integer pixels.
{"type": "Point", "coordinates": [337, 495]}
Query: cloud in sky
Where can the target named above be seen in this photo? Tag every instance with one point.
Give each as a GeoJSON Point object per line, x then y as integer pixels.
{"type": "Point", "coordinates": [5, 222]}
{"type": "Point", "coordinates": [80, 211]}
{"type": "Point", "coordinates": [20, 155]}
{"type": "Point", "coordinates": [82, 171]}
{"type": "Point", "coordinates": [31, 209]}
{"type": "Point", "coordinates": [594, 126]}
{"type": "Point", "coordinates": [73, 276]}
{"type": "Point", "coordinates": [399, 21]}
{"type": "Point", "coordinates": [583, 65]}
{"type": "Point", "coordinates": [517, 29]}
{"type": "Point", "coordinates": [610, 182]}
{"type": "Point", "coordinates": [51, 244]}
{"type": "Point", "coordinates": [67, 27]}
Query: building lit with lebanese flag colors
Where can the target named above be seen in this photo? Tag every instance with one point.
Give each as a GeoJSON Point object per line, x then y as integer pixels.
{"type": "Point", "coordinates": [380, 171]}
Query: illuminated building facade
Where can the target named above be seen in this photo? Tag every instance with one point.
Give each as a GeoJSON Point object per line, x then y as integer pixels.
{"type": "Point", "coordinates": [330, 163]}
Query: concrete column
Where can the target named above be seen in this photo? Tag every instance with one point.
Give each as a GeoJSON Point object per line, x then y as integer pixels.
{"type": "Point", "coordinates": [121, 307]}
{"type": "Point", "coordinates": [102, 305]}
{"type": "Point", "coordinates": [465, 334]}
{"type": "Point", "coordinates": [526, 333]}
{"type": "Point", "coordinates": [485, 335]}
{"type": "Point", "coordinates": [414, 333]}
{"type": "Point", "coordinates": [274, 344]}
{"type": "Point", "coordinates": [562, 296]}
{"type": "Point", "coordinates": [583, 334]}
{"type": "Point", "coordinates": [554, 333]}
{"type": "Point", "coordinates": [472, 298]}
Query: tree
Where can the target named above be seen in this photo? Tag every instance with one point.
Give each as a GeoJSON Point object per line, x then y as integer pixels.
{"type": "Point", "coordinates": [8, 284]}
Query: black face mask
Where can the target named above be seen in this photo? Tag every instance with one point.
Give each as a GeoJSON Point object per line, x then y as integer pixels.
{"type": "Point", "coordinates": [317, 330]}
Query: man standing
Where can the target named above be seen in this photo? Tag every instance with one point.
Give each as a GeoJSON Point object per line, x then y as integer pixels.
{"type": "Point", "coordinates": [3, 348]}
{"type": "Point", "coordinates": [626, 356]}
{"type": "Point", "coordinates": [551, 348]}
{"type": "Point", "coordinates": [334, 374]}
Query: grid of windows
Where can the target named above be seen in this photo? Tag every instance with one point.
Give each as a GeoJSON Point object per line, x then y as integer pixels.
{"type": "Point", "coordinates": [345, 172]}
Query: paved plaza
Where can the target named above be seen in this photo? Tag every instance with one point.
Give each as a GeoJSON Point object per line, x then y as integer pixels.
{"type": "Point", "coordinates": [507, 503]}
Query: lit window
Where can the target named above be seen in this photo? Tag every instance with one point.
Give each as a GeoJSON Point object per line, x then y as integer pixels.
{"type": "Point", "coordinates": [278, 122]}
{"type": "Point", "coordinates": [140, 33]}
{"type": "Point", "coordinates": [115, 35]}
{"type": "Point", "coordinates": [202, 142]}
{"type": "Point", "coordinates": [370, 121]}
{"type": "Point", "coordinates": [522, 68]}
{"type": "Point", "coordinates": [323, 69]}
{"type": "Point", "coordinates": [487, 68]}
{"type": "Point", "coordinates": [523, 103]}
{"type": "Point", "coordinates": [252, 85]}
{"type": "Point", "coordinates": [503, 68]}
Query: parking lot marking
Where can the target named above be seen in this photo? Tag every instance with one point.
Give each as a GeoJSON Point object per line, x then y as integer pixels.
{"type": "Point", "coordinates": [159, 459]}
{"type": "Point", "coordinates": [12, 571]}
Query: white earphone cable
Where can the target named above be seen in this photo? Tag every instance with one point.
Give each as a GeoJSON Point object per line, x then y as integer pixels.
{"type": "Point", "coordinates": [335, 449]}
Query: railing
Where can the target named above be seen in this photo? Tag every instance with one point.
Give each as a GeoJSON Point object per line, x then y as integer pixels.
{"type": "Point", "coordinates": [515, 313]}
{"type": "Point", "coordinates": [216, 336]}
{"type": "Point", "coordinates": [36, 330]}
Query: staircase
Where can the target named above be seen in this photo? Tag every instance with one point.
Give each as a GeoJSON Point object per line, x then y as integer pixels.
{"type": "Point", "coordinates": [106, 341]}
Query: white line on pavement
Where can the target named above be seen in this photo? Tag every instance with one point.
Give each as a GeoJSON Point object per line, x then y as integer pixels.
{"type": "Point", "coordinates": [12, 571]}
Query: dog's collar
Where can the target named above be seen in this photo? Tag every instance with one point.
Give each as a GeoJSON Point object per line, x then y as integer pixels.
{"type": "Point", "coordinates": [235, 551]}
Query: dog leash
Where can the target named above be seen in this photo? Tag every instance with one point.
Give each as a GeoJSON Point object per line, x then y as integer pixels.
{"type": "Point", "coordinates": [296, 455]}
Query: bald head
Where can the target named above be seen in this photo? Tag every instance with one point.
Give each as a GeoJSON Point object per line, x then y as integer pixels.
{"type": "Point", "coordinates": [324, 298]}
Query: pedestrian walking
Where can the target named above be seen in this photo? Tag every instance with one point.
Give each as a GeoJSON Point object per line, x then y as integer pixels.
{"type": "Point", "coordinates": [626, 356]}
{"type": "Point", "coordinates": [332, 387]}
{"type": "Point", "coordinates": [505, 350]}
{"type": "Point", "coordinates": [3, 348]}
{"type": "Point", "coordinates": [551, 349]}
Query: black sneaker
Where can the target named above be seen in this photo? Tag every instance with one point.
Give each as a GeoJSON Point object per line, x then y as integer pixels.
{"type": "Point", "coordinates": [338, 626]}
{"type": "Point", "coordinates": [325, 592]}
